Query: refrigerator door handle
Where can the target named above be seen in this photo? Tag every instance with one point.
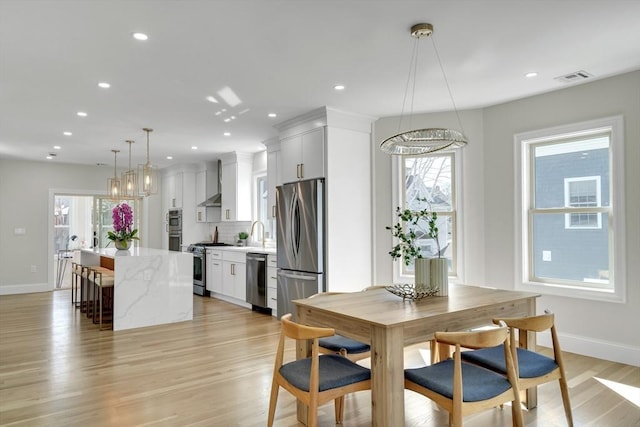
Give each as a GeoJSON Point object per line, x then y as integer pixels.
{"type": "Point", "coordinates": [296, 276]}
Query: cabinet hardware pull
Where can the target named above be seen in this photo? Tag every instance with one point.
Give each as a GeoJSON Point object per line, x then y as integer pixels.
{"type": "Point", "coordinates": [273, 211]}
{"type": "Point", "coordinates": [301, 170]}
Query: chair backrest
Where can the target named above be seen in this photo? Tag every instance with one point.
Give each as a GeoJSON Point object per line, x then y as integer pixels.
{"type": "Point", "coordinates": [534, 323]}
{"type": "Point", "coordinates": [297, 331]}
{"type": "Point", "coordinates": [474, 339]}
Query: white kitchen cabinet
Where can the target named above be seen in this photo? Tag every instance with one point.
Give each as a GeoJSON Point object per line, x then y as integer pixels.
{"type": "Point", "coordinates": [302, 156]}
{"type": "Point", "coordinates": [174, 190]}
{"type": "Point", "coordinates": [234, 275]}
{"type": "Point", "coordinates": [272, 284]}
{"type": "Point", "coordinates": [274, 177]}
{"type": "Point", "coordinates": [214, 271]}
{"type": "Point", "coordinates": [236, 186]}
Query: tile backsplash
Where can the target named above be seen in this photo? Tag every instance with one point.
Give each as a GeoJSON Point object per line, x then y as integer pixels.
{"type": "Point", "coordinates": [228, 231]}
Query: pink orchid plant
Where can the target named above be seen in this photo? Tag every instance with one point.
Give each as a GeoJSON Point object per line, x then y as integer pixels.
{"type": "Point", "coordinates": [122, 216]}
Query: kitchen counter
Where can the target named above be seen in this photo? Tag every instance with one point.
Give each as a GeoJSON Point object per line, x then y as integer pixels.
{"type": "Point", "coordinates": [151, 286]}
{"type": "Point", "coordinates": [246, 249]}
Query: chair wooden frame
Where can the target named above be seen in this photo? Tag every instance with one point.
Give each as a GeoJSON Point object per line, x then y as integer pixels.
{"type": "Point", "coordinates": [354, 357]}
{"type": "Point", "coordinates": [456, 407]}
{"type": "Point", "coordinates": [313, 398]}
{"type": "Point", "coordinates": [536, 324]}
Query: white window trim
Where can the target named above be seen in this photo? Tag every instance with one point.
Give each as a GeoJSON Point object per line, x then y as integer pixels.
{"type": "Point", "coordinates": [615, 125]}
{"type": "Point", "coordinates": [397, 186]}
{"type": "Point", "coordinates": [567, 216]}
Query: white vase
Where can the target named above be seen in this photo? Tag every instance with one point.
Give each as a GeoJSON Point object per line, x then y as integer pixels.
{"type": "Point", "coordinates": [440, 276]}
{"type": "Point", "coordinates": [422, 274]}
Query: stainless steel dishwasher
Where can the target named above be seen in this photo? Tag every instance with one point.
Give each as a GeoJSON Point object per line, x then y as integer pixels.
{"type": "Point", "coordinates": [257, 281]}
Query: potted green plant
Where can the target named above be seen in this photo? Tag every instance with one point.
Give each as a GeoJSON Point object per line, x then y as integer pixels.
{"type": "Point", "coordinates": [242, 238]}
{"type": "Point", "coordinates": [429, 273]}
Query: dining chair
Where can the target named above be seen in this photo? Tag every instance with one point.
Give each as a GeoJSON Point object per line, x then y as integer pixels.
{"type": "Point", "coordinates": [338, 344]}
{"type": "Point", "coordinates": [532, 368]}
{"type": "Point", "coordinates": [317, 379]}
{"type": "Point", "coordinates": [463, 388]}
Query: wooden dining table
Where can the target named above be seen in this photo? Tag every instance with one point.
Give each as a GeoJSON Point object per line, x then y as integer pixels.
{"type": "Point", "coordinates": [388, 323]}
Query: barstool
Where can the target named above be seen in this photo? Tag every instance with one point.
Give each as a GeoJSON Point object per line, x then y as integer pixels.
{"type": "Point", "coordinates": [76, 275]}
{"type": "Point", "coordinates": [89, 288]}
{"type": "Point", "coordinates": [103, 281]}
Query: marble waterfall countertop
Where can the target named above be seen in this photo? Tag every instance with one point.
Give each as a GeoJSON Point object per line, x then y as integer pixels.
{"type": "Point", "coordinates": [151, 286]}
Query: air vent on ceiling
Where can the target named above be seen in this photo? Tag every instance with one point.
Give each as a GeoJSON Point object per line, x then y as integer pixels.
{"type": "Point", "coordinates": [574, 77]}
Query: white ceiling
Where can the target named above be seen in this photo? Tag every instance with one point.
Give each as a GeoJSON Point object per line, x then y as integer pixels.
{"type": "Point", "coordinates": [278, 56]}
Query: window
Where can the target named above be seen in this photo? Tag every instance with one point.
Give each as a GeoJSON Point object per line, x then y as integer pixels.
{"type": "Point", "coordinates": [570, 212]}
{"type": "Point", "coordinates": [582, 192]}
{"type": "Point", "coordinates": [429, 181]}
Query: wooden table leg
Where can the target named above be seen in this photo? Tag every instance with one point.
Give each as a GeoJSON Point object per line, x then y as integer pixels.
{"type": "Point", "coordinates": [387, 376]}
{"type": "Point", "coordinates": [528, 341]}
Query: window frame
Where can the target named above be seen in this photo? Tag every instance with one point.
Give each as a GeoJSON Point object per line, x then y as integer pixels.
{"type": "Point", "coordinates": [398, 196]}
{"type": "Point", "coordinates": [524, 210]}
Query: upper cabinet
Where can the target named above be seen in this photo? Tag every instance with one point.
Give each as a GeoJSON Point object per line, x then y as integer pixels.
{"type": "Point", "coordinates": [302, 156]}
{"type": "Point", "coordinates": [236, 186]}
{"type": "Point", "coordinates": [274, 175]}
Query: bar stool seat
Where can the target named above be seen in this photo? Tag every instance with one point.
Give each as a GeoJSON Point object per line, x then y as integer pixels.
{"type": "Point", "coordinates": [89, 296]}
{"type": "Point", "coordinates": [103, 285]}
{"type": "Point", "coordinates": [76, 283]}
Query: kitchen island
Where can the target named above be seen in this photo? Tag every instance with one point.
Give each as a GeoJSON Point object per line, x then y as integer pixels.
{"type": "Point", "coordinates": [151, 286]}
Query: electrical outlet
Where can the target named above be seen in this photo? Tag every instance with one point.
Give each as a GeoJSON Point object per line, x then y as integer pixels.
{"type": "Point", "coordinates": [34, 269]}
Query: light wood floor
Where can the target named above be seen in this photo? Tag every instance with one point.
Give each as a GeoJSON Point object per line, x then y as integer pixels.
{"type": "Point", "coordinates": [57, 369]}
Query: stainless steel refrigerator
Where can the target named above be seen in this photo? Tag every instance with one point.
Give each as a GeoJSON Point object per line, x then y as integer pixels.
{"type": "Point", "coordinates": [301, 245]}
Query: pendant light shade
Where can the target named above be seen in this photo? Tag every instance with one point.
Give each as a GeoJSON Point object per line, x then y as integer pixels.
{"type": "Point", "coordinates": [148, 173]}
{"type": "Point", "coordinates": [423, 141]}
{"type": "Point", "coordinates": [130, 178]}
{"type": "Point", "coordinates": [113, 184]}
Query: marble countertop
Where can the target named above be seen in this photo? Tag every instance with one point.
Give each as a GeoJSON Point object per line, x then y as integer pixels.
{"type": "Point", "coordinates": [133, 251]}
{"type": "Point", "coordinates": [245, 249]}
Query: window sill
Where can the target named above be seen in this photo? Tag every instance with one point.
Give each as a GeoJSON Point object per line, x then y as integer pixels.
{"type": "Point", "coordinates": [603, 295]}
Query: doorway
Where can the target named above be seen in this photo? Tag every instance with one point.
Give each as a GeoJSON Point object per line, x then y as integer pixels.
{"type": "Point", "coordinates": [81, 222]}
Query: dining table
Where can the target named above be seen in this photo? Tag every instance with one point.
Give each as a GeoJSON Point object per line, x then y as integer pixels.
{"type": "Point", "coordinates": [388, 323]}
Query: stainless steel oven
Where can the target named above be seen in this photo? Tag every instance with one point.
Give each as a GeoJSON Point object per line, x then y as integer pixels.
{"type": "Point", "coordinates": [174, 228]}
{"type": "Point", "coordinates": [199, 251]}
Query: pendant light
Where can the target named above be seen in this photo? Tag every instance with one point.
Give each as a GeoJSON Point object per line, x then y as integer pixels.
{"type": "Point", "coordinates": [130, 178]}
{"type": "Point", "coordinates": [423, 141]}
{"type": "Point", "coordinates": [114, 182]}
{"type": "Point", "coordinates": [148, 173]}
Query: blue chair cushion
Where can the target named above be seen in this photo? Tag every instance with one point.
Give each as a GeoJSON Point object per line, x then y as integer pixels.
{"type": "Point", "coordinates": [335, 371]}
{"type": "Point", "coordinates": [477, 383]}
{"type": "Point", "coordinates": [530, 363]}
{"type": "Point", "coordinates": [338, 342]}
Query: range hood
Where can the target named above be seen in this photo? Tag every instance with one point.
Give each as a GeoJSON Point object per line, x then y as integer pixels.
{"type": "Point", "coordinates": [216, 199]}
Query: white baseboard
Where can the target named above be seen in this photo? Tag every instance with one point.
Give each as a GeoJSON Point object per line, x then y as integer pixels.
{"type": "Point", "coordinates": [27, 288]}
{"type": "Point", "coordinates": [592, 347]}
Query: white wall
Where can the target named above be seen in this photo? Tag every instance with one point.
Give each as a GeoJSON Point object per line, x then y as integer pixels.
{"type": "Point", "coordinates": [25, 189]}
{"type": "Point", "coordinates": [599, 329]}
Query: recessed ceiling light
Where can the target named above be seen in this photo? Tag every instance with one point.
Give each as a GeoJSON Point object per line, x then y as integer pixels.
{"type": "Point", "coordinates": [272, 115]}
{"type": "Point", "coordinates": [104, 85]}
{"type": "Point", "coordinates": [56, 147]}
{"type": "Point", "coordinates": [67, 133]}
{"type": "Point", "coordinates": [140, 36]}
{"type": "Point", "coordinates": [49, 157]}
{"type": "Point", "coordinates": [194, 148]}
{"type": "Point", "coordinates": [227, 134]}
{"type": "Point", "coordinates": [233, 117]}
{"type": "Point", "coordinates": [227, 120]}
{"type": "Point", "coordinates": [531, 74]}
{"type": "Point", "coordinates": [339, 87]}
{"type": "Point", "coordinates": [169, 157]}
{"type": "Point", "coordinates": [81, 114]}
{"type": "Point", "coordinates": [211, 99]}
{"type": "Point", "coordinates": [218, 113]}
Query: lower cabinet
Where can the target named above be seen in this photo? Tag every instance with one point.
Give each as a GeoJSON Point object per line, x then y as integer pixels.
{"type": "Point", "coordinates": [272, 284]}
{"type": "Point", "coordinates": [234, 275]}
{"type": "Point", "coordinates": [214, 271]}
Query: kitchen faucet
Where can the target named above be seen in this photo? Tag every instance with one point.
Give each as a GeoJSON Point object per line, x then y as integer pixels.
{"type": "Point", "coordinates": [253, 225]}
